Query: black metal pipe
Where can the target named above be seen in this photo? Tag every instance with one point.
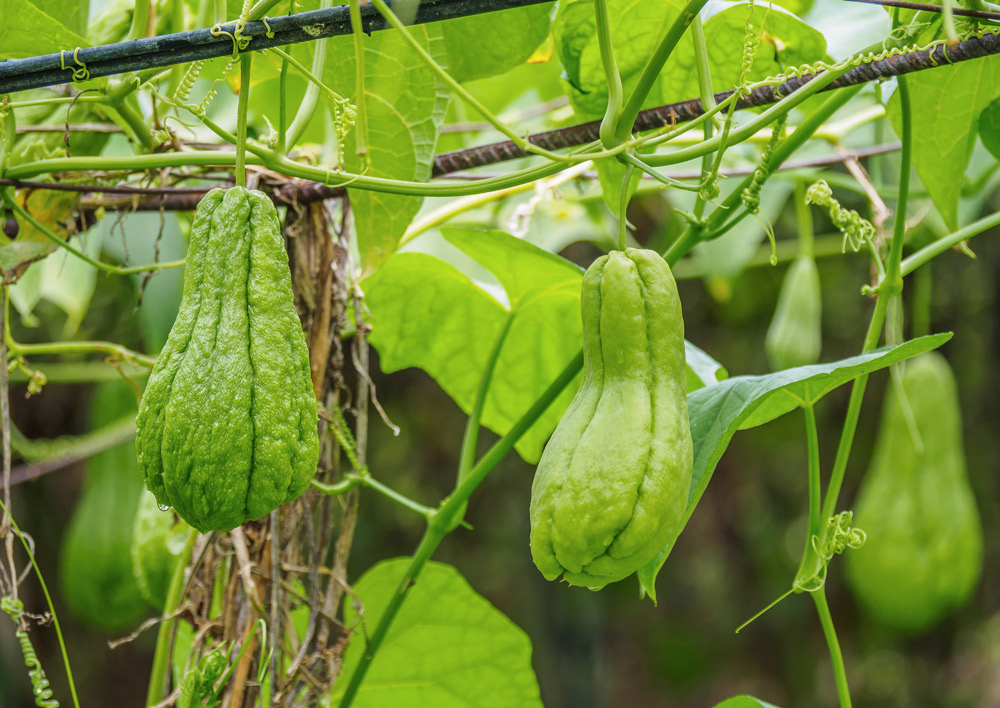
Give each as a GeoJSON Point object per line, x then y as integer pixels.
{"type": "Point", "coordinates": [169, 49]}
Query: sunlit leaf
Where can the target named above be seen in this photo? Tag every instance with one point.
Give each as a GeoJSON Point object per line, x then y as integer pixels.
{"type": "Point", "coordinates": [743, 402]}
{"type": "Point", "coordinates": [405, 102]}
{"type": "Point", "coordinates": [448, 646]}
{"type": "Point", "coordinates": [945, 104]}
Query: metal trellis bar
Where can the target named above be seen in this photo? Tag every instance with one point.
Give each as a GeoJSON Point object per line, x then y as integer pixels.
{"type": "Point", "coordinates": [182, 47]}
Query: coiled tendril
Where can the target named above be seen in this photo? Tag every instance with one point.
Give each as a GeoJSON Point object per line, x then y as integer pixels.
{"type": "Point", "coordinates": [81, 72]}
{"type": "Point", "coordinates": [751, 195]}
{"type": "Point", "coordinates": [183, 91]}
{"type": "Point", "coordinates": [39, 684]}
{"type": "Point", "coordinates": [840, 536]}
{"type": "Point", "coordinates": [856, 229]}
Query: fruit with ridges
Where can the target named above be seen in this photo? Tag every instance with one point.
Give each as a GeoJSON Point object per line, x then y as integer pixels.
{"type": "Point", "coordinates": [228, 422]}
{"type": "Point", "coordinates": [924, 551]}
{"type": "Point", "coordinates": [613, 481]}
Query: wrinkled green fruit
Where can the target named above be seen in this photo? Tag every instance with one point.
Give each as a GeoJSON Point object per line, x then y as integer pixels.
{"type": "Point", "coordinates": [795, 335]}
{"type": "Point", "coordinates": [227, 426]}
{"type": "Point", "coordinates": [158, 538]}
{"type": "Point", "coordinates": [95, 576]}
{"type": "Point", "coordinates": [924, 550]}
{"type": "Point", "coordinates": [613, 481]}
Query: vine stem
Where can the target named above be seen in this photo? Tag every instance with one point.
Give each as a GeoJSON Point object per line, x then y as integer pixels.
{"type": "Point", "coordinates": [361, 114]}
{"type": "Point", "coordinates": [806, 237]}
{"type": "Point", "coordinates": [717, 220]}
{"type": "Point", "coordinates": [815, 483]}
{"type": "Point", "coordinates": [448, 516]}
{"type": "Point", "coordinates": [623, 206]}
{"type": "Point", "coordinates": [69, 347]}
{"type": "Point", "coordinates": [611, 76]}
{"type": "Point", "coordinates": [651, 71]}
{"type": "Point", "coordinates": [330, 177]}
{"type": "Point", "coordinates": [140, 18]}
{"type": "Point", "coordinates": [765, 119]}
{"type": "Point", "coordinates": [455, 207]}
{"type": "Point", "coordinates": [241, 120]}
{"type": "Point", "coordinates": [836, 656]}
{"type": "Point", "coordinates": [707, 96]}
{"type": "Point", "coordinates": [364, 479]}
{"type": "Point", "coordinates": [5, 415]}
{"type": "Point", "coordinates": [927, 253]}
{"type": "Point", "coordinates": [467, 455]}
{"type": "Point", "coordinates": [308, 105]}
{"type": "Point", "coordinates": [460, 90]}
{"type": "Point", "coordinates": [892, 286]}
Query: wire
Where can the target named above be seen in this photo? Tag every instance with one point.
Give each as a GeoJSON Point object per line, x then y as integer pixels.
{"type": "Point", "coordinates": [182, 47]}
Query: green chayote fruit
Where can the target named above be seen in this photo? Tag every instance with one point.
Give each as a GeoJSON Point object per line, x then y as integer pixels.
{"type": "Point", "coordinates": [924, 551]}
{"type": "Point", "coordinates": [158, 538]}
{"type": "Point", "coordinates": [613, 481]}
{"type": "Point", "coordinates": [95, 575]}
{"type": "Point", "coordinates": [795, 335]}
{"type": "Point", "coordinates": [227, 426]}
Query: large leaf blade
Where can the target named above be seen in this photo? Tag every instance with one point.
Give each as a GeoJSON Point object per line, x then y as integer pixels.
{"type": "Point", "coordinates": [405, 102]}
{"type": "Point", "coordinates": [448, 646]}
{"type": "Point", "coordinates": [491, 43]}
{"type": "Point", "coordinates": [945, 104]}
{"type": "Point", "coordinates": [27, 30]}
{"type": "Point", "coordinates": [428, 314]}
{"type": "Point", "coordinates": [743, 402]}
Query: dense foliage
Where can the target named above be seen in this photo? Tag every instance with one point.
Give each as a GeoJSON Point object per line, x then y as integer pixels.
{"type": "Point", "coordinates": [769, 282]}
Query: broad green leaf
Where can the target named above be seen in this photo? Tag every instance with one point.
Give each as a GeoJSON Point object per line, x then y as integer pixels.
{"type": "Point", "coordinates": [428, 314]}
{"type": "Point", "coordinates": [636, 28]}
{"type": "Point", "coordinates": [744, 702]}
{"type": "Point", "coordinates": [945, 104]}
{"type": "Point", "coordinates": [448, 646]}
{"type": "Point", "coordinates": [526, 272]}
{"type": "Point", "coordinates": [743, 402]}
{"type": "Point", "coordinates": [702, 370]}
{"type": "Point", "coordinates": [72, 15]}
{"type": "Point", "coordinates": [405, 102]}
{"type": "Point", "coordinates": [493, 42]}
{"type": "Point", "coordinates": [989, 128]}
{"type": "Point", "coordinates": [27, 31]}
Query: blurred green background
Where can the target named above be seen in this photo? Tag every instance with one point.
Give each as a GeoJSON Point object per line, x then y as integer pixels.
{"type": "Point", "coordinates": [739, 552]}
